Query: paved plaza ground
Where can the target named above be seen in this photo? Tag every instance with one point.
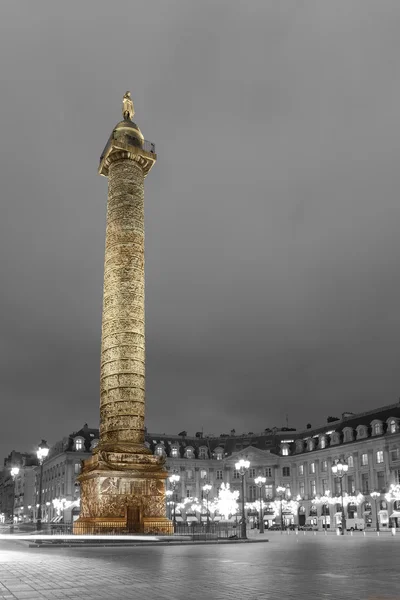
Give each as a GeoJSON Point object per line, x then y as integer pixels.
{"type": "Point", "coordinates": [319, 567]}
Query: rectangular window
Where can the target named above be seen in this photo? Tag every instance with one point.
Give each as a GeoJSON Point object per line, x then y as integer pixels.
{"type": "Point", "coordinates": [188, 492]}
{"type": "Point", "coordinates": [394, 454]}
{"type": "Point", "coordinates": [379, 456]}
{"type": "Point", "coordinates": [203, 453]}
{"type": "Point", "coordinates": [268, 491]}
{"type": "Point", "coordinates": [337, 486]}
{"type": "Point", "coordinates": [286, 471]}
{"type": "Point", "coordinates": [268, 472]}
{"type": "Point", "coordinates": [189, 473]}
{"type": "Point", "coordinates": [350, 461]}
{"type": "Point", "coordinates": [252, 493]}
{"type": "Point", "coordinates": [302, 490]}
{"type": "Point", "coordinates": [351, 487]}
{"type": "Point", "coordinates": [380, 480]}
{"type": "Point", "coordinates": [300, 470]}
{"type": "Point", "coordinates": [365, 483]}
{"type": "Point", "coordinates": [219, 474]}
{"type": "Point", "coordinates": [252, 473]}
{"type": "Point", "coordinates": [236, 474]}
{"type": "Point", "coordinates": [324, 465]}
{"type": "Point", "coordinates": [324, 486]}
{"type": "Point", "coordinates": [364, 460]}
{"type": "Point", "coordinates": [397, 476]}
{"type": "Point", "coordinates": [313, 487]}
{"type": "Point", "coordinates": [203, 474]}
{"type": "Point", "coordinates": [77, 468]}
{"type": "Point", "coordinates": [312, 467]}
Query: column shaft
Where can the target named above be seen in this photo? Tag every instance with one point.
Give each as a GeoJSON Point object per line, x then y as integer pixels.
{"type": "Point", "coordinates": [122, 404]}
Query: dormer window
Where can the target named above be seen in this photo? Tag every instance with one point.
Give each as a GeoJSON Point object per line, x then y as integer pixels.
{"type": "Point", "coordinates": [203, 453]}
{"type": "Point", "coordinates": [159, 450]}
{"type": "Point", "coordinates": [285, 450]}
{"type": "Point", "coordinates": [335, 438]}
{"type": "Point", "coordinates": [189, 452]}
{"type": "Point", "coordinates": [393, 426]}
{"type": "Point", "coordinates": [347, 434]}
{"type": "Point", "coordinates": [310, 445]}
{"type": "Point", "coordinates": [322, 442]}
{"type": "Point", "coordinates": [361, 432]}
{"type": "Point", "coordinates": [376, 428]}
{"type": "Point", "coordinates": [219, 453]}
{"type": "Point", "coordinates": [94, 444]}
{"type": "Point", "coordinates": [299, 446]}
{"type": "Point", "coordinates": [78, 444]}
{"type": "Point", "coordinates": [174, 452]}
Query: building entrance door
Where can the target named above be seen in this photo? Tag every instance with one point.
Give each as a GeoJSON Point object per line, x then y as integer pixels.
{"type": "Point", "coordinates": [133, 520]}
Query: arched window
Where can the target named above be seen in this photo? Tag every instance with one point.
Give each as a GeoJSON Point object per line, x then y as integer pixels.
{"type": "Point", "coordinates": [302, 510]}
{"type": "Point", "coordinates": [285, 450]}
{"type": "Point", "coordinates": [396, 505]}
{"type": "Point", "coordinates": [174, 452]}
{"type": "Point", "coordinates": [325, 510]}
{"type": "Point", "coordinates": [348, 434]}
{"type": "Point", "coordinates": [313, 511]}
{"type": "Point", "coordinates": [377, 428]}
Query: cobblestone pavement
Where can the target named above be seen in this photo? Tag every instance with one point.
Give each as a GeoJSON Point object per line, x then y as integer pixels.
{"type": "Point", "coordinates": [320, 567]}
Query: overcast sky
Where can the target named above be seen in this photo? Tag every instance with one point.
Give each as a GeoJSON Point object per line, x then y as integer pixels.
{"type": "Point", "coordinates": [272, 214]}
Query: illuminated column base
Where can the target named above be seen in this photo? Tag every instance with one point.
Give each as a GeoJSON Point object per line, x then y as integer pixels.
{"type": "Point", "coordinates": [123, 493]}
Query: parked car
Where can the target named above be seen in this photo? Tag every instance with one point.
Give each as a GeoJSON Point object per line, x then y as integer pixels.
{"type": "Point", "coordinates": [308, 527]}
{"type": "Point", "coordinates": [275, 527]}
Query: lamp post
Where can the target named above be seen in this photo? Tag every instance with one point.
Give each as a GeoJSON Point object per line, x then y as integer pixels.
{"type": "Point", "coordinates": [339, 469]}
{"type": "Point", "coordinates": [280, 490]}
{"type": "Point", "coordinates": [260, 481]}
{"type": "Point", "coordinates": [14, 473]}
{"type": "Point", "coordinates": [168, 494]}
{"type": "Point", "coordinates": [42, 452]}
{"type": "Point", "coordinates": [375, 496]}
{"type": "Point", "coordinates": [206, 490]}
{"type": "Point", "coordinates": [242, 467]}
{"type": "Point", "coordinates": [173, 481]}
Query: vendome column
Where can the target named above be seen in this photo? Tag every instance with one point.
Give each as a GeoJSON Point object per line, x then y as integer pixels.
{"type": "Point", "coordinates": [123, 484]}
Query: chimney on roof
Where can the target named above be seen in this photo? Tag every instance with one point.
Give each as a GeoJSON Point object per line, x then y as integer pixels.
{"type": "Point", "coordinates": [308, 425]}
{"type": "Point", "coordinates": [346, 415]}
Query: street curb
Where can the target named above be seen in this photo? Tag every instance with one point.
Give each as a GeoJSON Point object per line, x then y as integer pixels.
{"type": "Point", "coordinates": [123, 544]}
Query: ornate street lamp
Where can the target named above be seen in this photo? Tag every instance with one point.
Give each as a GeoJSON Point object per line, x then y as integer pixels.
{"type": "Point", "coordinates": [206, 490]}
{"type": "Point", "coordinates": [339, 469]}
{"type": "Point", "coordinates": [42, 453]}
{"type": "Point", "coordinates": [14, 473]}
{"type": "Point", "coordinates": [375, 496]}
{"type": "Point", "coordinates": [280, 490]}
{"type": "Point", "coordinates": [260, 481]}
{"type": "Point", "coordinates": [242, 467]}
{"type": "Point", "coordinates": [173, 481]}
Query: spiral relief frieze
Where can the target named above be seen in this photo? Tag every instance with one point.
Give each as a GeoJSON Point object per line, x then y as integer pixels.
{"type": "Point", "coordinates": [123, 344]}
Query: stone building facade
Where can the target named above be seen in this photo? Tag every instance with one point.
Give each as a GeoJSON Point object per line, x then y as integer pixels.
{"type": "Point", "coordinates": [60, 490]}
{"type": "Point", "coordinates": [17, 496]}
{"type": "Point", "coordinates": [299, 461]}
